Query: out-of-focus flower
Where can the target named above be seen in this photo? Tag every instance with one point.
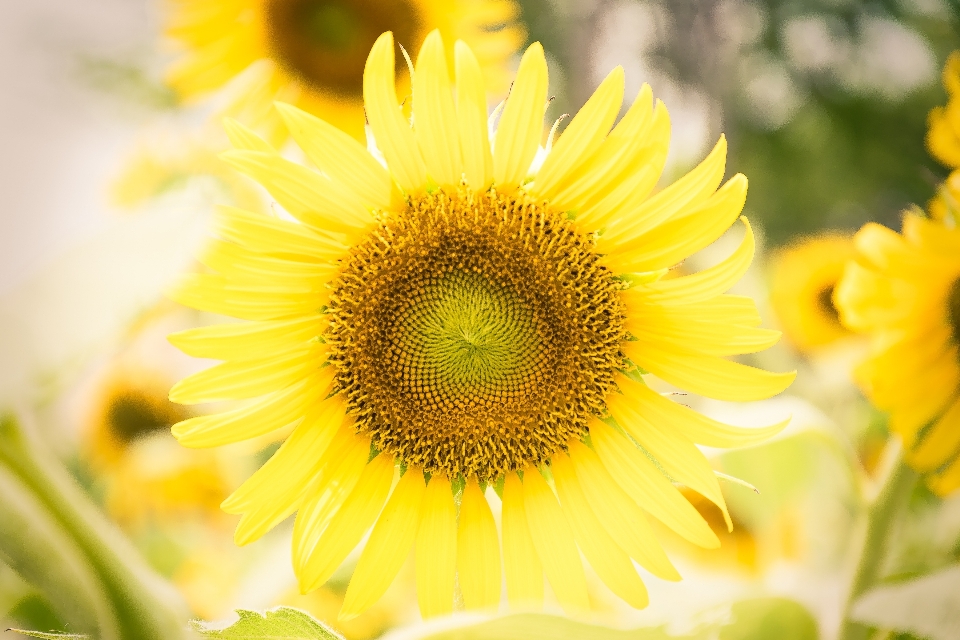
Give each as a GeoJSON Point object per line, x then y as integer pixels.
{"type": "Point", "coordinates": [945, 206]}
{"type": "Point", "coordinates": [904, 291]}
{"type": "Point", "coordinates": [803, 280]}
{"type": "Point", "coordinates": [128, 444]}
{"type": "Point", "coordinates": [167, 162]}
{"type": "Point", "coordinates": [473, 333]}
{"type": "Point", "coordinates": [943, 132]}
{"type": "Point", "coordinates": [311, 53]}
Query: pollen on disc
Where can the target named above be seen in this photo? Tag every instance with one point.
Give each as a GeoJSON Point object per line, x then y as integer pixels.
{"type": "Point", "coordinates": [474, 334]}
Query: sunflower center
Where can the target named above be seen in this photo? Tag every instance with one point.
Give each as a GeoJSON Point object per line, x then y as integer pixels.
{"type": "Point", "coordinates": [325, 42]}
{"type": "Point", "coordinates": [825, 302]}
{"type": "Point", "coordinates": [132, 414]}
{"type": "Point", "coordinates": [474, 334]}
{"type": "Point", "coordinates": [953, 309]}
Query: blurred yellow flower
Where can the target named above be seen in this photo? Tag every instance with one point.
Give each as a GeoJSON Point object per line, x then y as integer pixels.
{"type": "Point", "coordinates": [311, 53]}
{"type": "Point", "coordinates": [943, 123]}
{"type": "Point", "coordinates": [945, 206]}
{"type": "Point", "coordinates": [169, 162]}
{"type": "Point", "coordinates": [803, 280]}
{"type": "Point", "coordinates": [470, 333]}
{"type": "Point", "coordinates": [904, 291]}
{"type": "Point", "coordinates": [145, 474]}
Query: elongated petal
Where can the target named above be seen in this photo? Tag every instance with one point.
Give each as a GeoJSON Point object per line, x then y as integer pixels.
{"type": "Point", "coordinates": [554, 543]}
{"type": "Point", "coordinates": [249, 339]}
{"type": "Point", "coordinates": [392, 132]}
{"type": "Point", "coordinates": [472, 119]}
{"type": "Point", "coordinates": [708, 376]}
{"type": "Point", "coordinates": [707, 283]}
{"type": "Point", "coordinates": [436, 117]}
{"type": "Point", "coordinates": [677, 239]}
{"type": "Point", "coordinates": [388, 547]}
{"type": "Point", "coordinates": [274, 411]}
{"type": "Point", "coordinates": [619, 514]}
{"type": "Point", "coordinates": [940, 444]}
{"type": "Point", "coordinates": [478, 551]}
{"type": "Point", "coordinates": [259, 232]}
{"type": "Point", "coordinates": [257, 301]}
{"type": "Point", "coordinates": [693, 424]}
{"type": "Point", "coordinates": [339, 156]}
{"type": "Point", "coordinates": [521, 564]}
{"type": "Point", "coordinates": [277, 489]}
{"type": "Point", "coordinates": [611, 563]}
{"type": "Point", "coordinates": [583, 136]}
{"type": "Point", "coordinates": [351, 521]}
{"type": "Point", "coordinates": [243, 138]}
{"type": "Point", "coordinates": [309, 196]}
{"type": "Point", "coordinates": [648, 487]}
{"type": "Point", "coordinates": [674, 452]}
{"type": "Point", "coordinates": [436, 554]}
{"type": "Point", "coordinates": [521, 125]}
{"type": "Point", "coordinates": [340, 470]}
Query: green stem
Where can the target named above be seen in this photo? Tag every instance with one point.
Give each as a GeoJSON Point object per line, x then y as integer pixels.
{"type": "Point", "coordinates": [144, 606]}
{"type": "Point", "coordinates": [881, 515]}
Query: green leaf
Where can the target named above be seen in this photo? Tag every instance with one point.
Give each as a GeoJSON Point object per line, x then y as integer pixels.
{"type": "Point", "coordinates": [928, 606]}
{"type": "Point", "coordinates": [765, 618]}
{"type": "Point", "coordinates": [282, 623]}
{"type": "Point", "coordinates": [52, 635]}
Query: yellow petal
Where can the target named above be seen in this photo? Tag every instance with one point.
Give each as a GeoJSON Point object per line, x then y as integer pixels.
{"type": "Point", "coordinates": [478, 551]}
{"type": "Point", "coordinates": [940, 443]}
{"type": "Point", "coordinates": [246, 339]}
{"type": "Point", "coordinates": [521, 125]}
{"type": "Point", "coordinates": [435, 115]}
{"type": "Point", "coordinates": [241, 379]}
{"type": "Point", "coordinates": [351, 521]}
{"type": "Point", "coordinates": [689, 191]}
{"type": "Point", "coordinates": [674, 452]}
{"type": "Point", "coordinates": [436, 553]}
{"type": "Point", "coordinates": [611, 563]}
{"type": "Point", "coordinates": [309, 196]}
{"type": "Point", "coordinates": [648, 487]}
{"type": "Point", "coordinates": [270, 413]}
{"type": "Point", "coordinates": [708, 376]}
{"type": "Point", "coordinates": [340, 469]}
{"type": "Point", "coordinates": [521, 565]}
{"type": "Point", "coordinates": [583, 136]}
{"type": "Point", "coordinates": [677, 239]}
{"type": "Point", "coordinates": [339, 156]}
{"type": "Point", "coordinates": [619, 514]}
{"type": "Point", "coordinates": [392, 132]}
{"type": "Point", "coordinates": [707, 283]}
{"type": "Point", "coordinates": [554, 543]}
{"type": "Point", "coordinates": [388, 547]}
{"type": "Point", "coordinates": [240, 264]}
{"type": "Point", "coordinates": [472, 119]}
{"type": "Point", "coordinates": [257, 301]}
{"type": "Point", "coordinates": [693, 424]}
{"type": "Point", "coordinates": [241, 137]}
{"type": "Point", "coordinates": [275, 491]}
{"type": "Point", "coordinates": [262, 233]}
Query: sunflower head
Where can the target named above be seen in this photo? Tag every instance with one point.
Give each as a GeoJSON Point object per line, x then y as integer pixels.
{"type": "Point", "coordinates": [312, 52]}
{"type": "Point", "coordinates": [903, 290]}
{"type": "Point", "coordinates": [804, 278]}
{"type": "Point", "coordinates": [455, 318]}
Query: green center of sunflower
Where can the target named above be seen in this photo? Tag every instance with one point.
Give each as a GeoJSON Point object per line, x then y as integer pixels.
{"type": "Point", "coordinates": [474, 334]}
{"type": "Point", "coordinates": [953, 309]}
{"type": "Point", "coordinates": [325, 42]}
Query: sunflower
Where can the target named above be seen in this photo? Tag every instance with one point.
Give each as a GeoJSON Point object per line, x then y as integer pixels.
{"type": "Point", "coordinates": [451, 324]}
{"type": "Point", "coordinates": [311, 53]}
{"type": "Point", "coordinates": [127, 445]}
{"type": "Point", "coordinates": [943, 123]}
{"type": "Point", "coordinates": [803, 279]}
{"type": "Point", "coordinates": [904, 291]}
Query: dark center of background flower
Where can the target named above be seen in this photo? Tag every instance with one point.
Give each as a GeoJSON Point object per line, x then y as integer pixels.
{"type": "Point", "coordinates": [325, 42]}
{"type": "Point", "coordinates": [132, 414]}
{"type": "Point", "coordinates": [953, 309]}
{"type": "Point", "coordinates": [825, 302]}
{"type": "Point", "coordinates": [474, 335]}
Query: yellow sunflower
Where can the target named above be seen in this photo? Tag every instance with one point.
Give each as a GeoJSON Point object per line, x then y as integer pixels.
{"type": "Point", "coordinates": [311, 53]}
{"type": "Point", "coordinates": [450, 326]}
{"type": "Point", "coordinates": [128, 447]}
{"type": "Point", "coordinates": [803, 279]}
{"type": "Point", "coordinates": [943, 123]}
{"type": "Point", "coordinates": [904, 291]}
